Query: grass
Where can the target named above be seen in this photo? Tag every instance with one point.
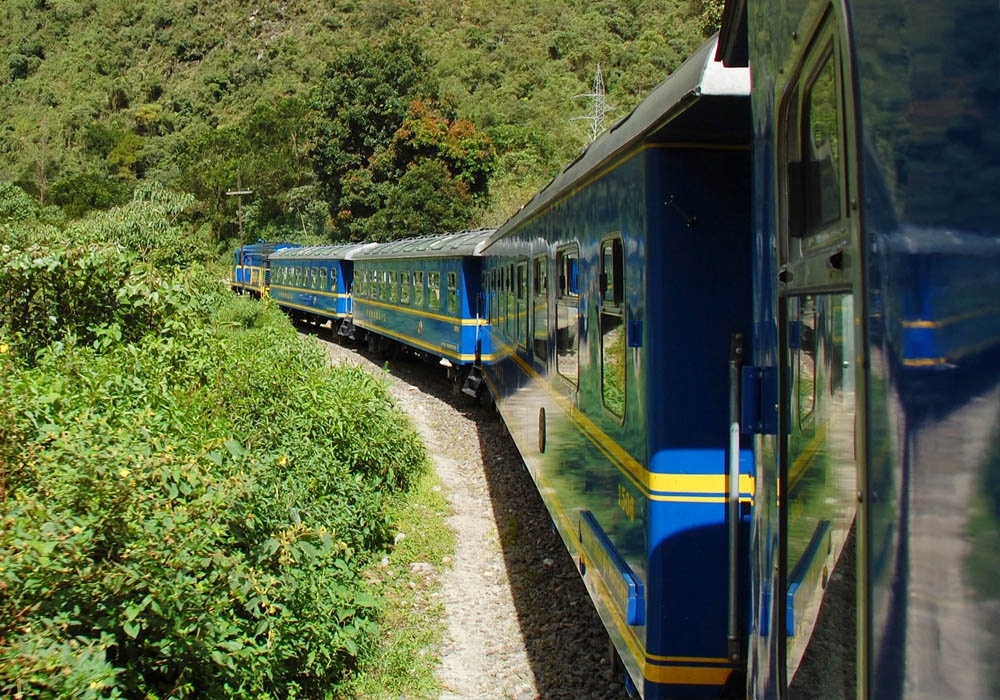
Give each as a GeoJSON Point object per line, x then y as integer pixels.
{"type": "Point", "coordinates": [406, 654]}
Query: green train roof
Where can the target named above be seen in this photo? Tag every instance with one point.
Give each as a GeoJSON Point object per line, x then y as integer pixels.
{"type": "Point", "coordinates": [449, 245]}
{"type": "Point", "coordinates": [318, 252]}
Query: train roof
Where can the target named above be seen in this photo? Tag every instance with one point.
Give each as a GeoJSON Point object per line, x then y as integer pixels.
{"type": "Point", "coordinates": [265, 248]}
{"type": "Point", "coordinates": [448, 245]}
{"type": "Point", "coordinates": [703, 101]}
{"type": "Point", "coordinates": [339, 251]}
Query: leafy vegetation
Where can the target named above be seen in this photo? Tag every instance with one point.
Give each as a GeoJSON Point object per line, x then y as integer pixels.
{"type": "Point", "coordinates": [188, 493]}
{"type": "Point", "coordinates": [316, 106]}
{"type": "Point", "coordinates": [404, 659]}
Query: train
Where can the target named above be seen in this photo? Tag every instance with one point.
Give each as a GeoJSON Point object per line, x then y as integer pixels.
{"type": "Point", "coordinates": [252, 268]}
{"type": "Point", "coordinates": [748, 347]}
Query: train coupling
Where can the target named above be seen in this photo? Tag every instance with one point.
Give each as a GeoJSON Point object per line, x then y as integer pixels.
{"type": "Point", "coordinates": [474, 382]}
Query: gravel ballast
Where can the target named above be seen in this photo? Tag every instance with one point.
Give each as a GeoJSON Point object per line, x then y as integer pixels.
{"type": "Point", "coordinates": [520, 622]}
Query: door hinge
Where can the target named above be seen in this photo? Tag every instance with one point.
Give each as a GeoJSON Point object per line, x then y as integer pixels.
{"type": "Point", "coordinates": [759, 415]}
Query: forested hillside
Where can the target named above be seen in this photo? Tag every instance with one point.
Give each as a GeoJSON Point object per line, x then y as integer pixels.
{"type": "Point", "coordinates": [346, 118]}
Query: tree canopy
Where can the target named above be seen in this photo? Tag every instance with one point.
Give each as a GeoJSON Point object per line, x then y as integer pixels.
{"type": "Point", "coordinates": [302, 103]}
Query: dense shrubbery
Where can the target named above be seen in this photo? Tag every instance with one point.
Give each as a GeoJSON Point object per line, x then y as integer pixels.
{"type": "Point", "coordinates": [187, 491]}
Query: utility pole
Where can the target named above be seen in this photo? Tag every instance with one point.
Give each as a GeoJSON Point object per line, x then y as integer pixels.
{"type": "Point", "coordinates": [600, 106]}
{"type": "Point", "coordinates": [239, 192]}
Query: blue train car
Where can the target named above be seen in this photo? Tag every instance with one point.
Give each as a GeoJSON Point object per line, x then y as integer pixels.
{"type": "Point", "coordinates": [612, 298]}
{"type": "Point", "coordinates": [953, 314]}
{"type": "Point", "coordinates": [314, 283]}
{"type": "Point", "coordinates": [876, 159]}
{"type": "Point", "coordinates": [251, 271]}
{"type": "Point", "coordinates": [423, 295]}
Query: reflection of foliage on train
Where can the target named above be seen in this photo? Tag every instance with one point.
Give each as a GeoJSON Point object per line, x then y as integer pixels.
{"type": "Point", "coordinates": [983, 561]}
{"type": "Point", "coordinates": [823, 116]}
{"type": "Point", "coordinates": [886, 122]}
{"type": "Point", "coordinates": [582, 476]}
{"type": "Point", "coordinates": [613, 367]}
{"type": "Point", "coordinates": [821, 467]}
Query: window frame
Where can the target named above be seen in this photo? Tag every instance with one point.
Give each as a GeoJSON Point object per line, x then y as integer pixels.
{"type": "Point", "coordinates": [434, 290]}
{"type": "Point", "coordinates": [419, 293]}
{"type": "Point", "coordinates": [568, 297]}
{"type": "Point", "coordinates": [612, 311]}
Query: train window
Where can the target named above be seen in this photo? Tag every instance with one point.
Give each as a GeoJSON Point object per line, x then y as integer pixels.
{"type": "Point", "coordinates": [819, 484]}
{"type": "Point", "coordinates": [323, 281]}
{"type": "Point", "coordinates": [358, 285]}
{"type": "Point", "coordinates": [540, 309]}
{"type": "Point", "coordinates": [567, 264]}
{"type": "Point", "coordinates": [502, 298]}
{"type": "Point", "coordinates": [313, 278]}
{"type": "Point", "coordinates": [815, 179]}
{"type": "Point", "coordinates": [802, 344]}
{"type": "Point", "coordinates": [521, 293]}
{"type": "Point", "coordinates": [568, 314]}
{"type": "Point", "coordinates": [612, 278]}
{"type": "Point", "coordinates": [494, 299]}
{"type": "Point", "coordinates": [393, 286]}
{"type": "Point", "coordinates": [384, 280]}
{"type": "Point", "coordinates": [434, 290]}
{"type": "Point", "coordinates": [404, 287]}
{"type": "Point", "coordinates": [510, 302]}
{"type": "Point", "coordinates": [452, 293]}
{"type": "Point", "coordinates": [612, 281]}
{"type": "Point", "coordinates": [333, 279]}
{"type": "Point", "coordinates": [418, 288]}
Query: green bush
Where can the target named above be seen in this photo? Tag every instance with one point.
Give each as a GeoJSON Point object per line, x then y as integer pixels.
{"type": "Point", "coordinates": [87, 292]}
{"type": "Point", "coordinates": [183, 513]}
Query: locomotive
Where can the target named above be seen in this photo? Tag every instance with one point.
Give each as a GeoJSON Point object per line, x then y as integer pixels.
{"type": "Point", "coordinates": [251, 267]}
{"type": "Point", "coordinates": [747, 345]}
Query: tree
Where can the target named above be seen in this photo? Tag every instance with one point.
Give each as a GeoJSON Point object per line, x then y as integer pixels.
{"type": "Point", "coordinates": [77, 194]}
{"type": "Point", "coordinates": [390, 158]}
{"type": "Point", "coordinates": [425, 201]}
{"type": "Point", "coordinates": [265, 151]}
{"type": "Point", "coordinates": [434, 133]}
{"type": "Point", "coordinates": [360, 105]}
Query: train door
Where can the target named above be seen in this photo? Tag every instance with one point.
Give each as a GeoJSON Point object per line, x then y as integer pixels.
{"type": "Point", "coordinates": [820, 376]}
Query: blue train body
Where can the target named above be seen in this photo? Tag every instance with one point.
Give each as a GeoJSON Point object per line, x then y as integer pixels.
{"type": "Point", "coordinates": [748, 346]}
{"type": "Point", "coordinates": [424, 294]}
{"type": "Point", "coordinates": [314, 283]}
{"type": "Point", "coordinates": [251, 272]}
{"type": "Point", "coordinates": [613, 295]}
{"type": "Point", "coordinates": [876, 277]}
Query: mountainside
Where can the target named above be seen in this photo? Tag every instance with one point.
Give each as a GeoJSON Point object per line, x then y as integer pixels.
{"type": "Point", "coordinates": [207, 96]}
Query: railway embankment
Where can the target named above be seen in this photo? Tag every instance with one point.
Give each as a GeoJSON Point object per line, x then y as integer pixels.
{"type": "Point", "coordinates": [515, 619]}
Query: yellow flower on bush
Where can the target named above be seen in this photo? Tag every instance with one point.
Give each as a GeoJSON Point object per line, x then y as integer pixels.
{"type": "Point", "coordinates": [4, 348]}
{"type": "Point", "coordinates": [124, 473]}
{"type": "Point", "coordinates": [283, 461]}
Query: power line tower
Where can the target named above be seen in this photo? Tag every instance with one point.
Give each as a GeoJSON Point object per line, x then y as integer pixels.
{"type": "Point", "coordinates": [599, 108]}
